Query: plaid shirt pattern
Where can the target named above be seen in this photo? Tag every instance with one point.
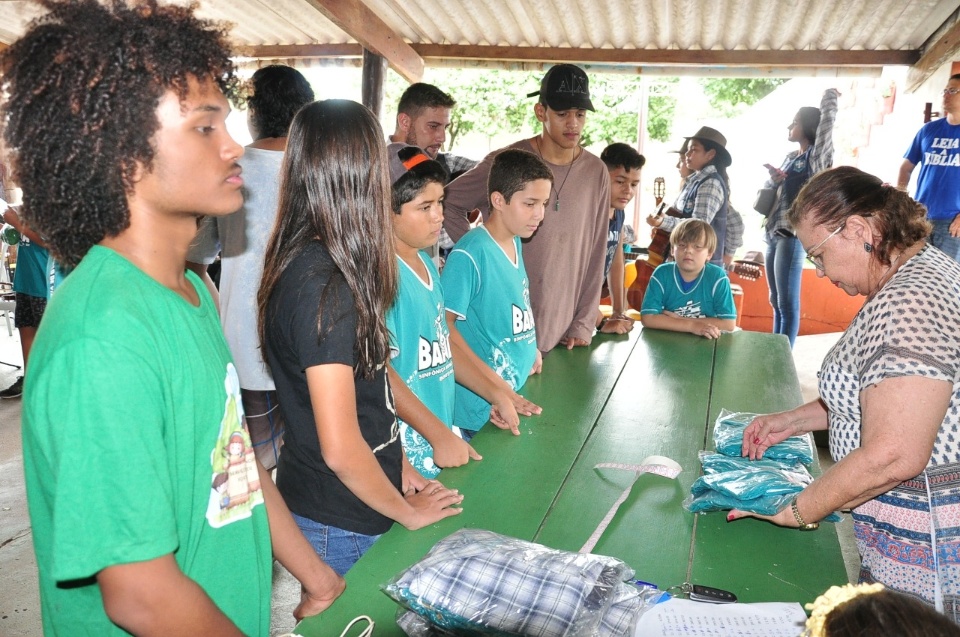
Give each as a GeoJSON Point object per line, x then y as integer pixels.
{"type": "Point", "coordinates": [819, 157]}
{"type": "Point", "coordinates": [476, 579]}
{"type": "Point", "coordinates": [454, 164]}
{"type": "Point", "coordinates": [734, 237]}
{"type": "Point", "coordinates": [702, 194]}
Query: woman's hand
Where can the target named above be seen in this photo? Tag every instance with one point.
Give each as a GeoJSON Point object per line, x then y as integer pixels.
{"type": "Point", "coordinates": [783, 517]}
{"type": "Point", "coordinates": [766, 431]}
{"type": "Point", "coordinates": [654, 220]}
{"type": "Point", "coordinates": [410, 479]}
{"type": "Point", "coordinates": [431, 503]}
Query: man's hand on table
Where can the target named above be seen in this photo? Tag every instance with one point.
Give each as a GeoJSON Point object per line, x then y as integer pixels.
{"type": "Point", "coordinates": [536, 369]}
{"type": "Point", "coordinates": [617, 324]}
{"type": "Point", "coordinates": [316, 600]}
{"type": "Point", "coordinates": [454, 451]}
{"type": "Point", "coordinates": [572, 341]}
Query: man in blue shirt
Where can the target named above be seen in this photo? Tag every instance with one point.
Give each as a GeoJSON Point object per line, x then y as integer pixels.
{"type": "Point", "coordinates": [937, 148]}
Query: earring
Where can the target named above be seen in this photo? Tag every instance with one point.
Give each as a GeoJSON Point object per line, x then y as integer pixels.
{"type": "Point", "coordinates": [868, 247]}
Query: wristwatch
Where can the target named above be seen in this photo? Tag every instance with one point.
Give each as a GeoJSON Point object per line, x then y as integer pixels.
{"type": "Point", "coordinates": [801, 525]}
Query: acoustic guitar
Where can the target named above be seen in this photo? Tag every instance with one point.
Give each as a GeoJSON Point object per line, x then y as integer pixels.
{"type": "Point", "coordinates": [657, 252]}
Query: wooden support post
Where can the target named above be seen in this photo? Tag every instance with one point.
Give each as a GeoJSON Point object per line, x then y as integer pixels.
{"type": "Point", "coordinates": [371, 83]}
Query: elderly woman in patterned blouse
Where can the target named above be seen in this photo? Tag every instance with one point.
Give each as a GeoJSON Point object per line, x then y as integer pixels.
{"type": "Point", "coordinates": [889, 389]}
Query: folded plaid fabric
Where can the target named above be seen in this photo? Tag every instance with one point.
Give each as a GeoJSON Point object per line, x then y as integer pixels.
{"type": "Point", "coordinates": [476, 582]}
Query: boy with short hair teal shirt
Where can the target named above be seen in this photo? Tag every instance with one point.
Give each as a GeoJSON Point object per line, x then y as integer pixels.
{"type": "Point", "coordinates": [419, 338]}
{"type": "Point", "coordinates": [423, 364]}
{"type": "Point", "coordinates": [689, 294]}
{"type": "Point", "coordinates": [485, 283]}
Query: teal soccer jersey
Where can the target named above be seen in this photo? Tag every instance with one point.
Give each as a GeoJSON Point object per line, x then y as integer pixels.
{"type": "Point", "coordinates": [490, 296]}
{"type": "Point", "coordinates": [420, 354]}
{"type": "Point", "coordinates": [709, 296]}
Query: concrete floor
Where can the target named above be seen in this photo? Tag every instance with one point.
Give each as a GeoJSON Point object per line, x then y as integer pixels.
{"type": "Point", "coordinates": [19, 598]}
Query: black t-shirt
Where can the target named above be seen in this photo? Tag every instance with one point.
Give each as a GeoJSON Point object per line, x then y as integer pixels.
{"type": "Point", "coordinates": [309, 487]}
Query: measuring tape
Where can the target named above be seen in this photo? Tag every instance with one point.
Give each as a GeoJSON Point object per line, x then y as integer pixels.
{"type": "Point", "coordinates": [658, 465]}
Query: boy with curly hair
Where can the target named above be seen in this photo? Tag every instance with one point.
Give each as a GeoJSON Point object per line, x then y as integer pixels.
{"type": "Point", "coordinates": [149, 511]}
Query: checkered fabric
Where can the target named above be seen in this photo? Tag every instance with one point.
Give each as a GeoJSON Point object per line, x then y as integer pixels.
{"type": "Point", "coordinates": [479, 582]}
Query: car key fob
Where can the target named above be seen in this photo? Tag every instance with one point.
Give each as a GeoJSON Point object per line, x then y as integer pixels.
{"type": "Point", "coordinates": [711, 595]}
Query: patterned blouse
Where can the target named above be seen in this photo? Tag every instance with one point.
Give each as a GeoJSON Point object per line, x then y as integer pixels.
{"type": "Point", "coordinates": [909, 537]}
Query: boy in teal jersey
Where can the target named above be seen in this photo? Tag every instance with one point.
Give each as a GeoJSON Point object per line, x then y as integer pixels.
{"type": "Point", "coordinates": [486, 286]}
{"type": "Point", "coordinates": [689, 294]}
{"type": "Point", "coordinates": [421, 357]}
{"type": "Point", "coordinates": [148, 510]}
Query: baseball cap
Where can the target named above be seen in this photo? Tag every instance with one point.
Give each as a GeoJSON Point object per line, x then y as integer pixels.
{"type": "Point", "coordinates": [398, 166]}
{"type": "Point", "coordinates": [563, 87]}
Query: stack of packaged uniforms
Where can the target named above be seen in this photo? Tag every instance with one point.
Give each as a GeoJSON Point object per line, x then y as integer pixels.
{"type": "Point", "coordinates": [763, 486]}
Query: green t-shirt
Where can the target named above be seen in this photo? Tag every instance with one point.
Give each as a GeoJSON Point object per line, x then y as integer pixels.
{"type": "Point", "coordinates": [134, 448]}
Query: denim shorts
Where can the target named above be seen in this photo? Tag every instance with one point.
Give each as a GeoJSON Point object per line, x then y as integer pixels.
{"type": "Point", "coordinates": [340, 549]}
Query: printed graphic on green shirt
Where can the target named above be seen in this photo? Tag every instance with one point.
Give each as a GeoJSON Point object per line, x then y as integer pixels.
{"type": "Point", "coordinates": [235, 488]}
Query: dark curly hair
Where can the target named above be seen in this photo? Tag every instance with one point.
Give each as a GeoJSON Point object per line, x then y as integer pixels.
{"type": "Point", "coordinates": [83, 86]}
{"type": "Point", "coordinates": [834, 195]}
{"type": "Point", "coordinates": [278, 93]}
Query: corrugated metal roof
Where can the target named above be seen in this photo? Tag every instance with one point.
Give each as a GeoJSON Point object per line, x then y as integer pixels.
{"type": "Point", "coordinates": [615, 25]}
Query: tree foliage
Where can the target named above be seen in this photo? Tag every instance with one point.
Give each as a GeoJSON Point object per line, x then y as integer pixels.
{"type": "Point", "coordinates": [730, 96]}
{"type": "Point", "coordinates": [492, 102]}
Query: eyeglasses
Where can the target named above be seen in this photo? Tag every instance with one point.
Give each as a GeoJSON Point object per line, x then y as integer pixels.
{"type": "Point", "coordinates": [817, 261]}
{"type": "Point", "coordinates": [951, 91]}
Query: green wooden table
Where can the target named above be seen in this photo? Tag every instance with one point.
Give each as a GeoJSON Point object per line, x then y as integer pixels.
{"type": "Point", "coordinates": [620, 400]}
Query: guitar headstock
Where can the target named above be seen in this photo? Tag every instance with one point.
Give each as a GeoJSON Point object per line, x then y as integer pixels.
{"type": "Point", "coordinates": [659, 189]}
{"type": "Point", "coordinates": [747, 270]}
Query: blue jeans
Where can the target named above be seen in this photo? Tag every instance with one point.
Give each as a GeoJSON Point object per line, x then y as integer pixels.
{"type": "Point", "coordinates": [941, 238]}
{"type": "Point", "coordinates": [784, 265]}
{"type": "Point", "coordinates": [340, 549]}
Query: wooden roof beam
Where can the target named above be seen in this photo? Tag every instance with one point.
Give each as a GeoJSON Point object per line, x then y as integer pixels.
{"type": "Point", "coordinates": [657, 57]}
{"type": "Point", "coordinates": [670, 57]}
{"type": "Point", "coordinates": [357, 20]}
{"type": "Point", "coordinates": [293, 51]}
{"type": "Point", "coordinates": [934, 56]}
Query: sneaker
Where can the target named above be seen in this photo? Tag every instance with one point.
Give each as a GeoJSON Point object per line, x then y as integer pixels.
{"type": "Point", "coordinates": [13, 391]}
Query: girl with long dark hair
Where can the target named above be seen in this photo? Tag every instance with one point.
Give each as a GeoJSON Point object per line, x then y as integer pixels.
{"type": "Point", "coordinates": [329, 278]}
{"type": "Point", "coordinates": [812, 128]}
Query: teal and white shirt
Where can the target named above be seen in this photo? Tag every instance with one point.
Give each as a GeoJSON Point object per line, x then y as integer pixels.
{"type": "Point", "coordinates": [708, 295]}
{"type": "Point", "coordinates": [490, 295]}
{"type": "Point", "coordinates": [420, 354]}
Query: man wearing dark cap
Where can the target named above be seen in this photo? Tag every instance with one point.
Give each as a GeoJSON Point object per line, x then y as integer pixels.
{"type": "Point", "coordinates": [565, 257]}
